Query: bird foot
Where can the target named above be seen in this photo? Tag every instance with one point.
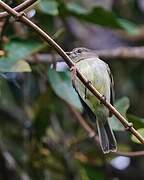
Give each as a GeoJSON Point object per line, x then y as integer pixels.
{"type": "Point", "coordinates": [130, 125]}
{"type": "Point", "coordinates": [103, 98]}
{"type": "Point", "coordinates": [88, 82]}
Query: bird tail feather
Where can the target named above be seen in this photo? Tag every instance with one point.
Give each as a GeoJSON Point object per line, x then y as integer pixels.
{"type": "Point", "coordinates": [106, 136]}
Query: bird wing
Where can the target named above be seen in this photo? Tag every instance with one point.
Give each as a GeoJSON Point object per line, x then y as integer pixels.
{"type": "Point", "coordinates": [92, 69]}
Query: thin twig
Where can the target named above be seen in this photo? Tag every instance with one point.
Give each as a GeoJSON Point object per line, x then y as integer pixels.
{"type": "Point", "coordinates": [130, 154]}
{"type": "Point", "coordinates": [124, 53]}
{"type": "Point", "coordinates": [12, 168]}
{"type": "Point", "coordinates": [60, 51]}
{"type": "Point", "coordinates": [21, 7]}
{"type": "Point", "coordinates": [121, 53]}
{"type": "Point", "coordinates": [91, 132]}
{"type": "Point", "coordinates": [89, 129]}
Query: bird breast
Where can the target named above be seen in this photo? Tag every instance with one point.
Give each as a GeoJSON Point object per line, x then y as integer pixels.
{"type": "Point", "coordinates": [95, 71]}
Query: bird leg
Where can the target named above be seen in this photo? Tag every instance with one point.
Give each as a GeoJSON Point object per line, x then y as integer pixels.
{"type": "Point", "coordinates": [103, 98]}
{"type": "Point", "coordinates": [130, 125]}
{"type": "Point", "coordinates": [73, 69]}
{"type": "Point", "coordinates": [88, 82]}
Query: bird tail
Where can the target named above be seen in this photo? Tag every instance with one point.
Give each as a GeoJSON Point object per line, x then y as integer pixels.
{"type": "Point", "coordinates": [106, 136]}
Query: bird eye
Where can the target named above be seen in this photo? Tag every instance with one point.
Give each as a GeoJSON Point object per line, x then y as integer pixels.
{"type": "Point", "coordinates": [79, 50]}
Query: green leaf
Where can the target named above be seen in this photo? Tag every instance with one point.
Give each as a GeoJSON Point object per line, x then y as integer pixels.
{"type": "Point", "coordinates": [129, 26]}
{"type": "Point", "coordinates": [49, 7]}
{"type": "Point", "coordinates": [122, 106]}
{"type": "Point", "coordinates": [6, 97]}
{"type": "Point", "coordinates": [94, 172]}
{"type": "Point", "coordinates": [134, 139]}
{"type": "Point", "coordinates": [137, 121]}
{"type": "Point", "coordinates": [96, 15]}
{"type": "Point", "coordinates": [17, 50]}
{"type": "Point", "coordinates": [76, 8]}
{"type": "Point", "coordinates": [20, 66]}
{"type": "Point", "coordinates": [102, 17]}
{"type": "Point", "coordinates": [42, 111]}
{"type": "Point", "coordinates": [62, 86]}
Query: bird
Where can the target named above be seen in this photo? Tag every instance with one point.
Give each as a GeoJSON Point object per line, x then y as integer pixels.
{"type": "Point", "coordinates": [98, 73]}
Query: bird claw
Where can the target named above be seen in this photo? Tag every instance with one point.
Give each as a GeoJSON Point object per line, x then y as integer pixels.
{"type": "Point", "coordinates": [103, 98]}
{"type": "Point", "coordinates": [88, 82]}
{"type": "Point", "coordinates": [130, 125]}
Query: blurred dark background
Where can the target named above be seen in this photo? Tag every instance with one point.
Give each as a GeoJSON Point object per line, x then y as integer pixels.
{"type": "Point", "coordinates": [40, 137]}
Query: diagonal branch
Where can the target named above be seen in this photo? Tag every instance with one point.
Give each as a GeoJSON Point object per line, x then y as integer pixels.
{"type": "Point", "coordinates": [120, 53]}
{"type": "Point", "coordinates": [26, 4]}
{"type": "Point", "coordinates": [60, 51]}
{"type": "Point", "coordinates": [123, 53]}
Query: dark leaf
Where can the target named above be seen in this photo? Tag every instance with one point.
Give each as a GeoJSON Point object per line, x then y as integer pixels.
{"type": "Point", "coordinates": [141, 132]}
{"type": "Point", "coordinates": [137, 121]}
{"type": "Point", "coordinates": [62, 86]}
{"type": "Point", "coordinates": [16, 52]}
{"type": "Point", "coordinates": [122, 106]}
{"type": "Point", "coordinates": [49, 7]}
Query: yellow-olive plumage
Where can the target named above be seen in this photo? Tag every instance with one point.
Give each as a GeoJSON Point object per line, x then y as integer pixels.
{"type": "Point", "coordinates": [97, 72]}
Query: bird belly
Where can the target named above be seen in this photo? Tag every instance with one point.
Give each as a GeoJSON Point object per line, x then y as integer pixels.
{"type": "Point", "coordinates": [96, 72]}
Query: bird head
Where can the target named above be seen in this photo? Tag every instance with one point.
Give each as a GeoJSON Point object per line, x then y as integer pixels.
{"type": "Point", "coordinates": [80, 53]}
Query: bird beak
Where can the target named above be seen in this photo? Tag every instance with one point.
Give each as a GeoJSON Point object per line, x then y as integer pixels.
{"type": "Point", "coordinates": [68, 53]}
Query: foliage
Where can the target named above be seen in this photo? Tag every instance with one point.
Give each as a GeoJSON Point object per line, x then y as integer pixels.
{"type": "Point", "coordinates": [40, 138]}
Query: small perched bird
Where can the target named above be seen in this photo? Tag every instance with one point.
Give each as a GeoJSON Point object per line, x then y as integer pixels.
{"type": "Point", "coordinates": [98, 73]}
